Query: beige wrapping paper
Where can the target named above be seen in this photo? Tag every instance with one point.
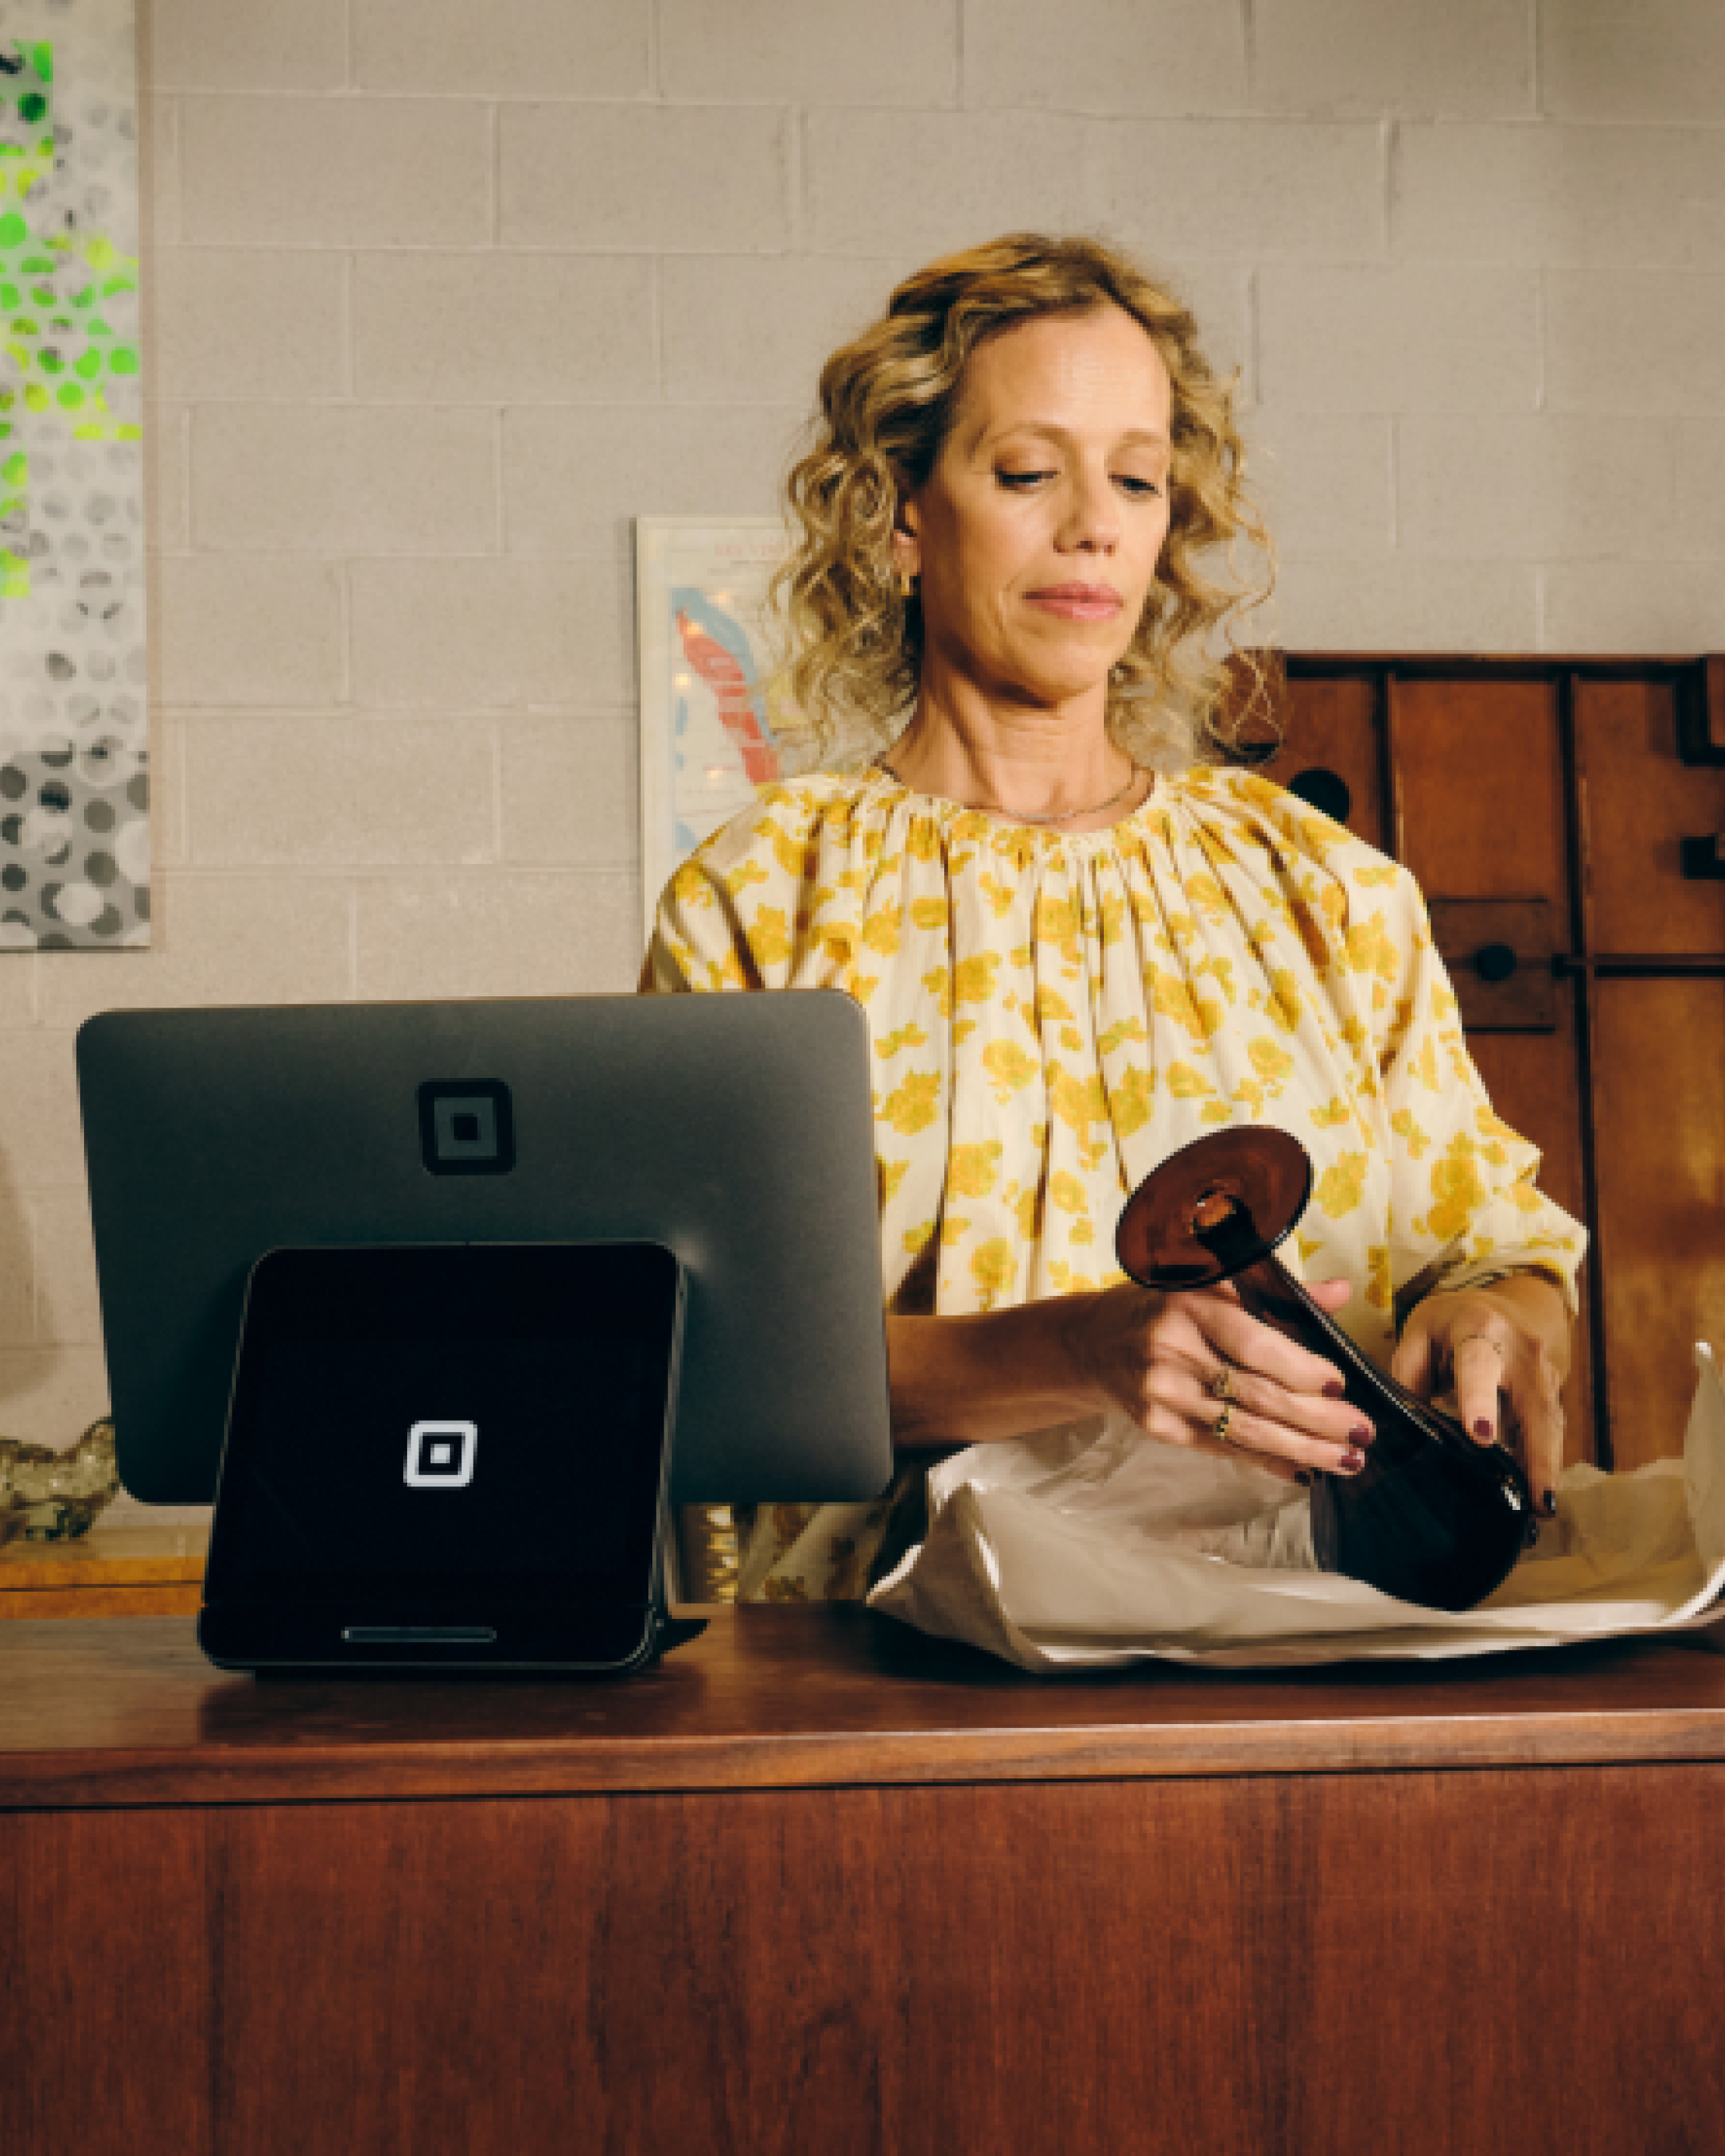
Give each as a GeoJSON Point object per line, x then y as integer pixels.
{"type": "Point", "coordinates": [1094, 1547]}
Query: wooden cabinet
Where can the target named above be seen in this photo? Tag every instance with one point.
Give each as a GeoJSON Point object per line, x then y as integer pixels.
{"type": "Point", "coordinates": [1565, 820]}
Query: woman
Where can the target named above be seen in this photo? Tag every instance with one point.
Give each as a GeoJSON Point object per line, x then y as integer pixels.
{"type": "Point", "coordinates": [1079, 944]}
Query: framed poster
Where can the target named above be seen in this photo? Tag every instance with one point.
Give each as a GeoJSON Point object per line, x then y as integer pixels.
{"type": "Point", "coordinates": [74, 836]}
{"type": "Point", "coordinates": [714, 723]}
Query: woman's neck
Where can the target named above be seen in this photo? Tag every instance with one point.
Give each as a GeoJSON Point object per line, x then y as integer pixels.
{"type": "Point", "coordinates": [1036, 763]}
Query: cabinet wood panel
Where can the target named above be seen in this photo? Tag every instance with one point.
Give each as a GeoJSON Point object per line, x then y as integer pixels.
{"type": "Point", "coordinates": [1331, 726]}
{"type": "Point", "coordinates": [1533, 1082]}
{"type": "Point", "coordinates": [1660, 1104]}
{"type": "Point", "coordinates": [1479, 779]}
{"type": "Point", "coordinates": [1640, 803]}
{"type": "Point", "coordinates": [1565, 782]}
{"type": "Point", "coordinates": [1027, 1968]}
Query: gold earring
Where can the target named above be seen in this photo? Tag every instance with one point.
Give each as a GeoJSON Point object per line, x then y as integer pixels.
{"type": "Point", "coordinates": [905, 584]}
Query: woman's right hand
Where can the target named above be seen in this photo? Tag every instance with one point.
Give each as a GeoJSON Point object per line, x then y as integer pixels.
{"type": "Point", "coordinates": [1159, 1357]}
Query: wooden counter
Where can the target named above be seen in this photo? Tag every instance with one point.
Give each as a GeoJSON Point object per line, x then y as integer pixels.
{"type": "Point", "coordinates": [111, 1572]}
{"type": "Point", "coordinates": [815, 1884]}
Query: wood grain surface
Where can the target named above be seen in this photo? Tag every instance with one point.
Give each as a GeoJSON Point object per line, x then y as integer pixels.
{"type": "Point", "coordinates": [129, 1712]}
{"type": "Point", "coordinates": [1660, 1104]}
{"type": "Point", "coordinates": [1498, 1963]}
{"type": "Point", "coordinates": [1331, 724]}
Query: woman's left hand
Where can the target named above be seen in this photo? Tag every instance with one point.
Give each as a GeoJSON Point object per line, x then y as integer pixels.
{"type": "Point", "coordinates": [1503, 1351]}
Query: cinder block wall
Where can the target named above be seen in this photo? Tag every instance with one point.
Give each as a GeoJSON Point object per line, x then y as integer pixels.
{"type": "Point", "coordinates": [441, 293]}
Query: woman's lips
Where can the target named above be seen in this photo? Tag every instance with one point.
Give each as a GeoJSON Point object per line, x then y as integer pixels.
{"type": "Point", "coordinates": [1078, 602]}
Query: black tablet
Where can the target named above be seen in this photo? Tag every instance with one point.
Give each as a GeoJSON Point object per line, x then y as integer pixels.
{"type": "Point", "coordinates": [451, 1456]}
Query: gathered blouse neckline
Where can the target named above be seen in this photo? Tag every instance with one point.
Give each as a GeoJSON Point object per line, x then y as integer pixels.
{"type": "Point", "coordinates": [948, 811]}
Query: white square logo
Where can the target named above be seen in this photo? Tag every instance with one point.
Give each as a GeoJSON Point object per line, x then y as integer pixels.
{"type": "Point", "coordinates": [440, 1455]}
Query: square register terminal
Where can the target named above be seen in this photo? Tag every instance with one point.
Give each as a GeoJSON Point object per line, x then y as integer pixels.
{"type": "Point", "coordinates": [513, 1277]}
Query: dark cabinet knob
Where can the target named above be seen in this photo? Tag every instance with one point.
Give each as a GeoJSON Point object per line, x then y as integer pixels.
{"type": "Point", "coordinates": [1326, 791]}
{"type": "Point", "coordinates": [1495, 962]}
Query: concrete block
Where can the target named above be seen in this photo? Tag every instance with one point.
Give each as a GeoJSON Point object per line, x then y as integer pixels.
{"type": "Point", "coordinates": [379, 171]}
{"type": "Point", "coordinates": [68, 1311]}
{"type": "Point", "coordinates": [1635, 197]}
{"type": "Point", "coordinates": [1162, 56]}
{"type": "Point", "coordinates": [924, 184]}
{"type": "Point", "coordinates": [707, 178]}
{"type": "Point", "coordinates": [41, 1138]}
{"type": "Point", "coordinates": [159, 171]}
{"type": "Point", "coordinates": [757, 328]}
{"type": "Point", "coordinates": [575, 477]}
{"type": "Point", "coordinates": [492, 328]}
{"type": "Point", "coordinates": [340, 792]}
{"type": "Point", "coordinates": [1545, 487]}
{"type": "Point", "coordinates": [1220, 297]}
{"type": "Point", "coordinates": [236, 323]}
{"type": "Point", "coordinates": [52, 1395]}
{"type": "Point", "coordinates": [323, 478]}
{"type": "Point", "coordinates": [1699, 523]}
{"type": "Point", "coordinates": [236, 632]}
{"type": "Point", "coordinates": [810, 52]}
{"type": "Point", "coordinates": [245, 44]}
{"type": "Point", "coordinates": [166, 478]}
{"type": "Point", "coordinates": [507, 932]}
{"type": "Point", "coordinates": [569, 798]}
{"type": "Point", "coordinates": [18, 1276]}
{"type": "Point", "coordinates": [1674, 607]}
{"type": "Point", "coordinates": [1324, 483]}
{"type": "Point", "coordinates": [493, 635]}
{"type": "Point", "coordinates": [1255, 189]}
{"type": "Point", "coordinates": [1398, 602]}
{"type": "Point", "coordinates": [20, 972]}
{"type": "Point", "coordinates": [1654, 341]}
{"type": "Point", "coordinates": [1430, 338]}
{"type": "Point", "coordinates": [220, 939]}
{"type": "Point", "coordinates": [591, 48]}
{"type": "Point", "coordinates": [1657, 60]}
{"type": "Point", "coordinates": [1469, 58]}
{"type": "Point", "coordinates": [167, 799]}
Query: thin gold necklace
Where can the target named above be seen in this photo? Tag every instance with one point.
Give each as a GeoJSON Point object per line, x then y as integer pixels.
{"type": "Point", "coordinates": [1022, 816]}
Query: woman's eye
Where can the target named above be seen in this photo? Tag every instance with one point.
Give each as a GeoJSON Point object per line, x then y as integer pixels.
{"type": "Point", "coordinates": [1022, 479]}
{"type": "Point", "coordinates": [1141, 489]}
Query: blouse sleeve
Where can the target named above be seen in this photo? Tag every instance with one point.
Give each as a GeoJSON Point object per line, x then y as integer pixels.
{"type": "Point", "coordinates": [1464, 1201]}
{"type": "Point", "coordinates": [699, 940]}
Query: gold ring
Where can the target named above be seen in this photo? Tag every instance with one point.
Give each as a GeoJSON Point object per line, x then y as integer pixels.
{"type": "Point", "coordinates": [1220, 1431]}
{"type": "Point", "coordinates": [1222, 1385]}
{"type": "Point", "coordinates": [1485, 1336]}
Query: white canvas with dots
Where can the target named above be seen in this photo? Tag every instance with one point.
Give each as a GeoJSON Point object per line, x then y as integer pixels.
{"type": "Point", "coordinates": [75, 833]}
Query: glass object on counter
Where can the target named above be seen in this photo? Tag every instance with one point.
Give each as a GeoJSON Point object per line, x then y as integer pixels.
{"type": "Point", "coordinates": [1433, 1517]}
{"type": "Point", "coordinates": [52, 1496]}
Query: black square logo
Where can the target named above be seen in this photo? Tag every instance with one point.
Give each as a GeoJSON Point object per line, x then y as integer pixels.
{"type": "Point", "coordinates": [466, 1126]}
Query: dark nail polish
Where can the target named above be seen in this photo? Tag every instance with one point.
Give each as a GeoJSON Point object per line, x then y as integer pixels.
{"type": "Point", "coordinates": [1335, 1390]}
{"type": "Point", "coordinates": [1482, 1429]}
{"type": "Point", "coordinates": [1550, 1504]}
{"type": "Point", "coordinates": [1351, 1462]}
{"type": "Point", "coordinates": [1359, 1435]}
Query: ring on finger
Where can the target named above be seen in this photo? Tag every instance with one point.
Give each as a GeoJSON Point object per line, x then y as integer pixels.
{"type": "Point", "coordinates": [1485, 1336]}
{"type": "Point", "coordinates": [1220, 1429]}
{"type": "Point", "coordinates": [1222, 1385]}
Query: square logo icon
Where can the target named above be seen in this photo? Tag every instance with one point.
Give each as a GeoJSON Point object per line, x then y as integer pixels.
{"type": "Point", "coordinates": [440, 1455]}
{"type": "Point", "coordinates": [466, 1126]}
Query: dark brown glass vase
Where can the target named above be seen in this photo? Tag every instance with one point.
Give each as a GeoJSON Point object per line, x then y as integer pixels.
{"type": "Point", "coordinates": [1434, 1517]}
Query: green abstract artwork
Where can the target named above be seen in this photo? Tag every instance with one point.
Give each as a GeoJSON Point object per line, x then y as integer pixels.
{"type": "Point", "coordinates": [55, 291]}
{"type": "Point", "coordinates": [74, 781]}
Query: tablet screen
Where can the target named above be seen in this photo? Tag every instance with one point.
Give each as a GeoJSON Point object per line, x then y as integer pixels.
{"type": "Point", "coordinates": [484, 1421]}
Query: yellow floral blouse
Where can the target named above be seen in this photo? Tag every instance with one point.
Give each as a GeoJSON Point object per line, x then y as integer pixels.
{"type": "Point", "coordinates": [1051, 1016]}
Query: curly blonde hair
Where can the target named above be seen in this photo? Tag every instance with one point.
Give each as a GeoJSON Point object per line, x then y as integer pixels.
{"type": "Point", "coordinates": [1186, 687]}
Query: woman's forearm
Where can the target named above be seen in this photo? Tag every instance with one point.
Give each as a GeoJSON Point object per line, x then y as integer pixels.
{"type": "Point", "coordinates": [966, 1380]}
